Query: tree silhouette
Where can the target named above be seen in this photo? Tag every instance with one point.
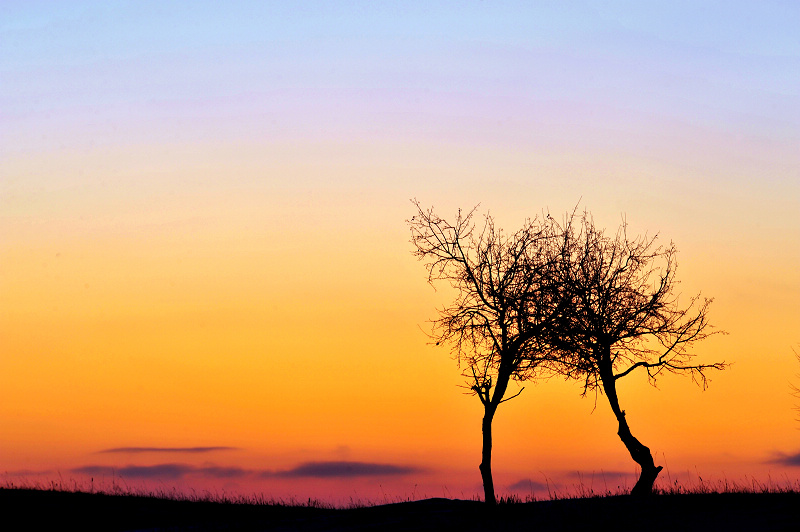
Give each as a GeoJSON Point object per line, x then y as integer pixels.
{"type": "Point", "coordinates": [623, 316]}
{"type": "Point", "coordinates": [505, 304]}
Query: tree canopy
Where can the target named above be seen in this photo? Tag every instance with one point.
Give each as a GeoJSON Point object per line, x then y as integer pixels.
{"type": "Point", "coordinates": [559, 298]}
{"type": "Point", "coordinates": [505, 304]}
{"type": "Point", "coordinates": [623, 314]}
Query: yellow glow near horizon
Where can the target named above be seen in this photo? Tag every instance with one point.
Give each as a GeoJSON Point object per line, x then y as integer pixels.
{"type": "Point", "coordinates": [200, 325]}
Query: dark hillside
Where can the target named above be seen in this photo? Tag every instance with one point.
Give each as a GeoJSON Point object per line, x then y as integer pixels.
{"type": "Point", "coordinates": [53, 510]}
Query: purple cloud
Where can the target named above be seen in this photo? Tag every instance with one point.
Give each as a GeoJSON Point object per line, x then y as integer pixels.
{"type": "Point", "coordinates": [786, 459]}
{"type": "Point", "coordinates": [166, 471]}
{"type": "Point", "coordinates": [342, 470]}
{"type": "Point", "coordinates": [172, 471]}
{"type": "Point", "coordinates": [26, 472]}
{"type": "Point", "coordinates": [224, 472]}
{"type": "Point", "coordinates": [190, 450]}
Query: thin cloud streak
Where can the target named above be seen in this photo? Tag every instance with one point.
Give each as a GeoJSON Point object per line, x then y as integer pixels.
{"type": "Point", "coordinates": [167, 471]}
{"type": "Point", "coordinates": [174, 471]}
{"type": "Point", "coordinates": [26, 472]}
{"type": "Point", "coordinates": [342, 470]}
{"type": "Point", "coordinates": [224, 472]}
{"type": "Point", "coordinates": [786, 459]}
{"type": "Point", "coordinates": [164, 471]}
{"type": "Point", "coordinates": [189, 450]}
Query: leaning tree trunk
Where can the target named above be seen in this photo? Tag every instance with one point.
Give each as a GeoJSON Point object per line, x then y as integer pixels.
{"type": "Point", "coordinates": [639, 452]}
{"type": "Point", "coordinates": [486, 456]}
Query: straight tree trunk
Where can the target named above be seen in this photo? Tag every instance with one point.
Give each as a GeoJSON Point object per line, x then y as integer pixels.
{"type": "Point", "coordinates": [489, 409]}
{"type": "Point", "coordinates": [639, 452]}
{"type": "Point", "coordinates": [486, 456]}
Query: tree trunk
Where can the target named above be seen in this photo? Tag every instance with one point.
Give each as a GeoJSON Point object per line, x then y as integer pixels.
{"type": "Point", "coordinates": [640, 453]}
{"type": "Point", "coordinates": [489, 409]}
{"type": "Point", "coordinates": [486, 457]}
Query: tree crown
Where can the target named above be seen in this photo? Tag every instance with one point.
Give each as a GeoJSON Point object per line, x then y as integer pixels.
{"type": "Point", "coordinates": [505, 292]}
{"type": "Point", "coordinates": [624, 312]}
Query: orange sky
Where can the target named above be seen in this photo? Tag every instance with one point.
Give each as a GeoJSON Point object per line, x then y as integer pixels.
{"type": "Point", "coordinates": [179, 272]}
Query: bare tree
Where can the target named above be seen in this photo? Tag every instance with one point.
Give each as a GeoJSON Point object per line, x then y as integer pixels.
{"type": "Point", "coordinates": [624, 316]}
{"type": "Point", "coordinates": [504, 305]}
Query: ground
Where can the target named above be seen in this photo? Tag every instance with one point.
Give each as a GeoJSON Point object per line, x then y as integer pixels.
{"type": "Point", "coordinates": [26, 509]}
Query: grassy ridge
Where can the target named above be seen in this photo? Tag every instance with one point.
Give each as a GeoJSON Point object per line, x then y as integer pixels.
{"type": "Point", "coordinates": [704, 511]}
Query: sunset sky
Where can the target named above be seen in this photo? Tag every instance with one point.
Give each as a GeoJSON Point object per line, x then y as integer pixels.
{"type": "Point", "coordinates": [206, 278]}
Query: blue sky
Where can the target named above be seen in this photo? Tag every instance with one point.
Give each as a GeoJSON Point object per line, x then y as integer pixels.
{"type": "Point", "coordinates": [91, 72]}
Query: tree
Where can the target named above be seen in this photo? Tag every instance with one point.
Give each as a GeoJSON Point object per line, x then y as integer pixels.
{"type": "Point", "coordinates": [505, 304]}
{"type": "Point", "coordinates": [623, 316]}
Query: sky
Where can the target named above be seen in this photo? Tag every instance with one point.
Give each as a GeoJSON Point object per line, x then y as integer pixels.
{"type": "Point", "coordinates": [206, 277]}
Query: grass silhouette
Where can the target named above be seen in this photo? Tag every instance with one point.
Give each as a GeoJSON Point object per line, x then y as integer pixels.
{"type": "Point", "coordinates": [722, 505]}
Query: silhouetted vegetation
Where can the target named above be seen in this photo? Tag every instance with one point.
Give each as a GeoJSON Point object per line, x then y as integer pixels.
{"type": "Point", "coordinates": [570, 300]}
{"type": "Point", "coordinates": [505, 305]}
{"type": "Point", "coordinates": [623, 315]}
{"type": "Point", "coordinates": [756, 507]}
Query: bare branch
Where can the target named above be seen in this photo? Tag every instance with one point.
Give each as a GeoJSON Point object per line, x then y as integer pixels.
{"type": "Point", "coordinates": [513, 396]}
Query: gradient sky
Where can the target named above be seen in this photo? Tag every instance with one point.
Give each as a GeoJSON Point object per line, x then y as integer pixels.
{"type": "Point", "coordinates": [206, 274]}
